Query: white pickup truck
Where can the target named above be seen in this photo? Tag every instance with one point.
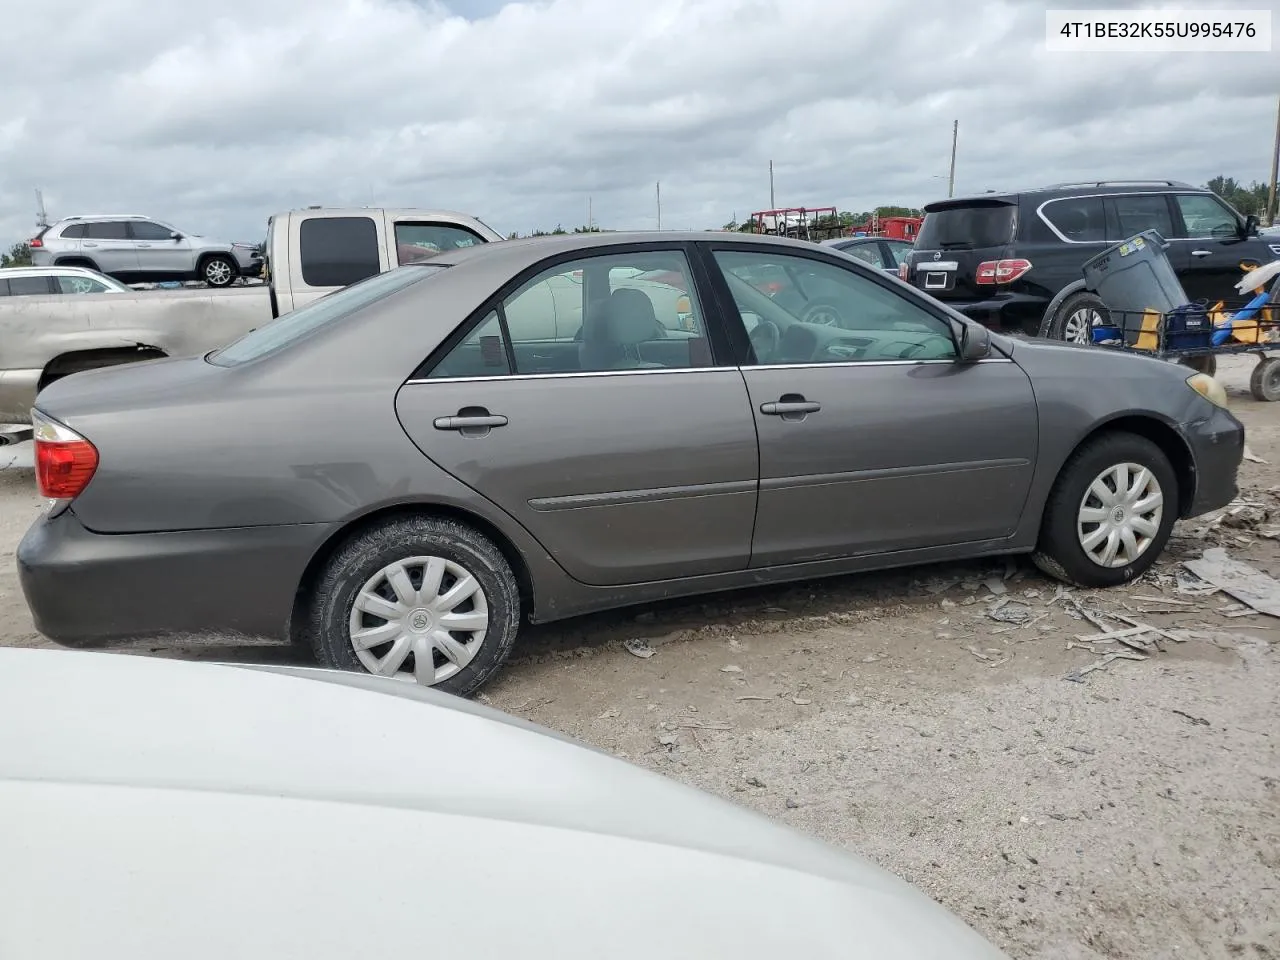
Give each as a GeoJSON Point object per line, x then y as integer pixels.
{"type": "Point", "coordinates": [309, 253]}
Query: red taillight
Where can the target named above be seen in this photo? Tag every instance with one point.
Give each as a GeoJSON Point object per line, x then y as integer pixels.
{"type": "Point", "coordinates": [65, 461]}
{"type": "Point", "coordinates": [1001, 271]}
{"type": "Point", "coordinates": [35, 242]}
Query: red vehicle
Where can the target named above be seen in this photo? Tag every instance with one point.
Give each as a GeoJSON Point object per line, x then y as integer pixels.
{"type": "Point", "coordinates": [891, 228]}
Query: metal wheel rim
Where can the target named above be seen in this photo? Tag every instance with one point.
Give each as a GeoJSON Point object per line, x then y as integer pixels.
{"type": "Point", "coordinates": [1119, 516]}
{"type": "Point", "coordinates": [420, 620]}
{"type": "Point", "coordinates": [217, 272]}
{"type": "Point", "coordinates": [1078, 327]}
{"type": "Point", "coordinates": [827, 316]}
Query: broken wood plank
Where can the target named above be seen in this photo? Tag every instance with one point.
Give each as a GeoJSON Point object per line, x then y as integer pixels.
{"type": "Point", "coordinates": [1242, 581]}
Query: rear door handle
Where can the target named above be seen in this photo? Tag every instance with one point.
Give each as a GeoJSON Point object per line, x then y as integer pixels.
{"type": "Point", "coordinates": [1202, 253]}
{"type": "Point", "coordinates": [790, 406]}
{"type": "Point", "coordinates": [471, 422]}
{"type": "Point", "coordinates": [88, 244]}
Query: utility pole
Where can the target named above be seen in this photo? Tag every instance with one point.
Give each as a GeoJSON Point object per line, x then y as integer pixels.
{"type": "Point", "coordinates": [772, 202]}
{"type": "Point", "coordinates": [951, 180]}
{"type": "Point", "coordinates": [42, 218]}
{"type": "Point", "coordinates": [1275, 172]}
{"type": "Point", "coordinates": [659, 193]}
{"type": "Point", "coordinates": [588, 213]}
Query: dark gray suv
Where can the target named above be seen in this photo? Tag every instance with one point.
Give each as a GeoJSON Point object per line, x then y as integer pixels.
{"type": "Point", "coordinates": [1005, 258]}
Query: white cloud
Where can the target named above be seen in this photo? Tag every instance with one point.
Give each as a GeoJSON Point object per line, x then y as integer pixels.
{"type": "Point", "coordinates": [214, 117]}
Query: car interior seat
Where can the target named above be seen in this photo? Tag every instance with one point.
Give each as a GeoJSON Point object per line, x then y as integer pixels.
{"type": "Point", "coordinates": [614, 330]}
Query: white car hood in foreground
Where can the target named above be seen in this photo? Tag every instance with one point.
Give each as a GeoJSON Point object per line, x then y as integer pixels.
{"type": "Point", "coordinates": [156, 809]}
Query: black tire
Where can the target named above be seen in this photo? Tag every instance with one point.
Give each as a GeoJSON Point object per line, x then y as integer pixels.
{"type": "Point", "coordinates": [1059, 552]}
{"type": "Point", "coordinates": [1060, 324]}
{"type": "Point", "coordinates": [1264, 382]}
{"type": "Point", "coordinates": [224, 271]}
{"type": "Point", "coordinates": [368, 552]}
{"type": "Point", "coordinates": [1206, 363]}
{"type": "Point", "coordinates": [827, 312]}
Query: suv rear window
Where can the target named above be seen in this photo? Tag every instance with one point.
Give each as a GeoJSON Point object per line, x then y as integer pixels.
{"type": "Point", "coordinates": [337, 251]}
{"type": "Point", "coordinates": [968, 226]}
{"type": "Point", "coordinates": [292, 327]}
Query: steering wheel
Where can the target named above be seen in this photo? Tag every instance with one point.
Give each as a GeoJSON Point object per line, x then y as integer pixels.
{"type": "Point", "coordinates": [765, 338]}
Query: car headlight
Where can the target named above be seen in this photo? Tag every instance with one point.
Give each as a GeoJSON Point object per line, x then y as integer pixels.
{"type": "Point", "coordinates": [1208, 388]}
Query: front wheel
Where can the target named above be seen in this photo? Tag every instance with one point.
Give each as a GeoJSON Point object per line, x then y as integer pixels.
{"type": "Point", "coordinates": [219, 272]}
{"type": "Point", "coordinates": [1110, 512]}
{"type": "Point", "coordinates": [419, 599]}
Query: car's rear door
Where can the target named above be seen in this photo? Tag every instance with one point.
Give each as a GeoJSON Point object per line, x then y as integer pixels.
{"type": "Point", "coordinates": [110, 246]}
{"type": "Point", "coordinates": [873, 437]}
{"type": "Point", "coordinates": [631, 453]}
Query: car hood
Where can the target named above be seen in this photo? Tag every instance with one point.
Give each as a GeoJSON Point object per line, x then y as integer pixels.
{"type": "Point", "coordinates": [263, 812]}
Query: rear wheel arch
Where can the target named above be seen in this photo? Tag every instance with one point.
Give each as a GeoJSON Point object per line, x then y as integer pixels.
{"type": "Point", "coordinates": [75, 361]}
{"type": "Point", "coordinates": [357, 525]}
{"type": "Point", "coordinates": [76, 262]}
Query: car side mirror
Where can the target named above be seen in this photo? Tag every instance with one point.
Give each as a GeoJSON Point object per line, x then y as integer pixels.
{"type": "Point", "coordinates": [975, 342]}
{"type": "Point", "coordinates": [175, 236]}
{"type": "Point", "coordinates": [1251, 226]}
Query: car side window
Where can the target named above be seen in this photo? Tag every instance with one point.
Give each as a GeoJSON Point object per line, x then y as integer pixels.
{"type": "Point", "coordinates": [899, 249]}
{"type": "Point", "coordinates": [421, 241]}
{"type": "Point", "coordinates": [73, 284]}
{"type": "Point", "coordinates": [74, 231]}
{"type": "Point", "coordinates": [866, 252]}
{"type": "Point", "coordinates": [337, 251]}
{"type": "Point", "coordinates": [29, 286]}
{"type": "Point", "coordinates": [1138, 212]}
{"type": "Point", "coordinates": [106, 230]}
{"type": "Point", "coordinates": [146, 230]}
{"type": "Point", "coordinates": [1081, 219]}
{"type": "Point", "coordinates": [826, 313]}
{"type": "Point", "coordinates": [635, 311]}
{"type": "Point", "coordinates": [1205, 216]}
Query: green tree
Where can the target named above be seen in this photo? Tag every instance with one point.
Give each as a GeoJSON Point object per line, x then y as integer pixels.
{"type": "Point", "coordinates": [19, 255]}
{"type": "Point", "coordinates": [1250, 200]}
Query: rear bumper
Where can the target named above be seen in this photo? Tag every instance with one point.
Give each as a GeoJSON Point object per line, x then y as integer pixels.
{"type": "Point", "coordinates": [89, 589]}
{"type": "Point", "coordinates": [1004, 312]}
{"type": "Point", "coordinates": [1217, 449]}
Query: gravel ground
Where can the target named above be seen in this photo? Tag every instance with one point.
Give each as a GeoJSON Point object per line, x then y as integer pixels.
{"type": "Point", "coordinates": [1133, 812]}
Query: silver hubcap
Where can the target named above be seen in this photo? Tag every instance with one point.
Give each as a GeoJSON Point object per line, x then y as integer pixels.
{"type": "Point", "coordinates": [422, 620]}
{"type": "Point", "coordinates": [1079, 326]}
{"type": "Point", "coordinates": [217, 272]}
{"type": "Point", "coordinates": [1120, 515]}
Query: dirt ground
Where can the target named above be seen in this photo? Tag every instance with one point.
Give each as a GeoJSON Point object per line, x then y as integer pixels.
{"type": "Point", "coordinates": [935, 721]}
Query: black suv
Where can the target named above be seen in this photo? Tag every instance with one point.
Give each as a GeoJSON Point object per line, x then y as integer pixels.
{"type": "Point", "coordinates": [1013, 260]}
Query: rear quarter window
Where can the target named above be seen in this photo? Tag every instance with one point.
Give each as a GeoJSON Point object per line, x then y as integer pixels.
{"type": "Point", "coordinates": [1079, 219]}
{"type": "Point", "coordinates": [968, 226]}
{"type": "Point", "coordinates": [337, 251]}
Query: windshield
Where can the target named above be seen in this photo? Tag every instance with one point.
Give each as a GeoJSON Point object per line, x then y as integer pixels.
{"type": "Point", "coordinates": [301, 323]}
{"type": "Point", "coordinates": [975, 225]}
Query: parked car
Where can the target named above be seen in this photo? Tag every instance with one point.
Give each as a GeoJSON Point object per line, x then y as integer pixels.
{"type": "Point", "coordinates": [882, 252]}
{"type": "Point", "coordinates": [314, 251]}
{"type": "Point", "coordinates": [45, 338]}
{"type": "Point", "coordinates": [274, 811]}
{"type": "Point", "coordinates": [138, 249]}
{"type": "Point", "coordinates": [397, 475]}
{"type": "Point", "coordinates": [55, 281]}
{"type": "Point", "coordinates": [1014, 260]}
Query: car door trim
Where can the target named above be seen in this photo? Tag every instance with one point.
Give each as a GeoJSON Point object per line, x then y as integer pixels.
{"type": "Point", "coordinates": [573, 374]}
{"type": "Point", "coordinates": [867, 363]}
{"type": "Point", "coordinates": [579, 501]}
{"type": "Point", "coordinates": [887, 473]}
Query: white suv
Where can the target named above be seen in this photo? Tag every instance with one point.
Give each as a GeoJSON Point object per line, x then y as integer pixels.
{"type": "Point", "coordinates": [51, 281]}
{"type": "Point", "coordinates": [137, 249]}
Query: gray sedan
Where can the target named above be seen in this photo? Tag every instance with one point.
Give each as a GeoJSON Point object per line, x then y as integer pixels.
{"type": "Point", "coordinates": [399, 474]}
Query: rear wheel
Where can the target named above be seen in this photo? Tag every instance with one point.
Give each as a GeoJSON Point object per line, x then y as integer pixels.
{"type": "Point", "coordinates": [1077, 316]}
{"type": "Point", "coordinates": [418, 599]}
{"type": "Point", "coordinates": [1110, 513]}
{"type": "Point", "coordinates": [1264, 382]}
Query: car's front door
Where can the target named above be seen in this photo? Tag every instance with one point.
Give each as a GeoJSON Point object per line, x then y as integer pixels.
{"type": "Point", "coordinates": [874, 438]}
{"type": "Point", "coordinates": [159, 254]}
{"type": "Point", "coordinates": [630, 453]}
{"type": "Point", "coordinates": [108, 244]}
{"type": "Point", "coordinates": [1214, 248]}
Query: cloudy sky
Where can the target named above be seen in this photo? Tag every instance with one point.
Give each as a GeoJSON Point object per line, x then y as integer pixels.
{"type": "Point", "coordinates": [213, 116]}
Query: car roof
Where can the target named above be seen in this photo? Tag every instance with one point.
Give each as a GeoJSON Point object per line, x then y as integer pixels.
{"type": "Point", "coordinates": [106, 216]}
{"type": "Point", "coordinates": [1069, 189]}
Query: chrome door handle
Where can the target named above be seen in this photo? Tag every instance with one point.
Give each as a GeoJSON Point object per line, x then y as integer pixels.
{"type": "Point", "coordinates": [782, 408]}
{"type": "Point", "coordinates": [87, 244]}
{"type": "Point", "coordinates": [1202, 253]}
{"type": "Point", "coordinates": [146, 245]}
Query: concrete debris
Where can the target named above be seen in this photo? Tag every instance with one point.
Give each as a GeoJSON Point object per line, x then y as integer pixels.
{"type": "Point", "coordinates": [1251, 456]}
{"type": "Point", "coordinates": [1192, 586]}
{"type": "Point", "coordinates": [638, 648]}
{"type": "Point", "coordinates": [996, 587]}
{"type": "Point", "coordinates": [1242, 581]}
{"type": "Point", "coordinates": [1078, 675]}
{"type": "Point", "coordinates": [731, 668]}
{"type": "Point", "coordinates": [1008, 610]}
